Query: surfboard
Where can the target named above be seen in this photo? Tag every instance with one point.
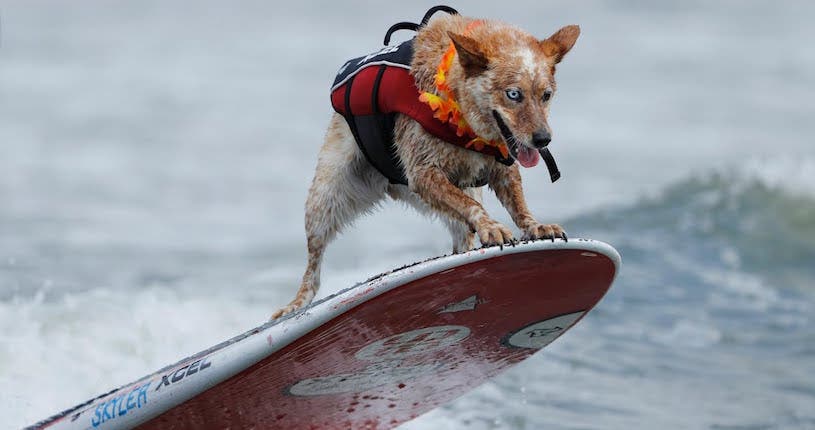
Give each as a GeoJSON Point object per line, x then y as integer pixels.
{"type": "Point", "coordinates": [374, 355]}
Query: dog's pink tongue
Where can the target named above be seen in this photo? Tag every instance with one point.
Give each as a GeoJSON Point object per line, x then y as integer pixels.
{"type": "Point", "coordinates": [528, 157]}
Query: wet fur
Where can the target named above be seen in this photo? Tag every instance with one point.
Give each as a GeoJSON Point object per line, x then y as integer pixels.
{"type": "Point", "coordinates": [491, 58]}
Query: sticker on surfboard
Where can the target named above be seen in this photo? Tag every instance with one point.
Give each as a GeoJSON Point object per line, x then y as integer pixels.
{"type": "Point", "coordinates": [542, 333]}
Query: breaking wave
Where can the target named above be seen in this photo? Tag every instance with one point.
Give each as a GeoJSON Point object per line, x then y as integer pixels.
{"type": "Point", "coordinates": [758, 218]}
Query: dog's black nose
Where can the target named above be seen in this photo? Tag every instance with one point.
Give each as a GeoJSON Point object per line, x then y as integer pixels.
{"type": "Point", "coordinates": [541, 138]}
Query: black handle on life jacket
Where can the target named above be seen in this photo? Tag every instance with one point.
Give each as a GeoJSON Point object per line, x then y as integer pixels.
{"type": "Point", "coordinates": [435, 9]}
{"type": "Point", "coordinates": [404, 25]}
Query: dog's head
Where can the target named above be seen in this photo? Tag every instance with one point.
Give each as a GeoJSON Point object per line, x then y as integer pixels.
{"type": "Point", "coordinates": [506, 82]}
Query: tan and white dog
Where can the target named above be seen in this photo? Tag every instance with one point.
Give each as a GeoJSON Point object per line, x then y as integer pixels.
{"type": "Point", "coordinates": [503, 79]}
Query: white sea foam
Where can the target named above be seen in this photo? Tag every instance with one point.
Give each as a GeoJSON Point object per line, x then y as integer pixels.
{"type": "Point", "coordinates": [83, 344]}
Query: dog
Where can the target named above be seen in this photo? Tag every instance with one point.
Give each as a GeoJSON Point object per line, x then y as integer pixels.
{"type": "Point", "coordinates": [479, 78]}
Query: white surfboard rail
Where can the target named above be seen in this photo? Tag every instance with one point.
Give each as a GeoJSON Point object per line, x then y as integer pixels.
{"type": "Point", "coordinates": [137, 402]}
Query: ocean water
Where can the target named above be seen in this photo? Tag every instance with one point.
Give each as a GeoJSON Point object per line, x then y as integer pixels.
{"type": "Point", "coordinates": [155, 157]}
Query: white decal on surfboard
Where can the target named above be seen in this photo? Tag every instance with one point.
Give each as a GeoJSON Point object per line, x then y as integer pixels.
{"type": "Point", "coordinates": [387, 355]}
{"type": "Point", "coordinates": [375, 375]}
{"type": "Point", "coordinates": [413, 342]}
{"type": "Point", "coordinates": [542, 333]}
{"type": "Point", "coordinates": [467, 304]}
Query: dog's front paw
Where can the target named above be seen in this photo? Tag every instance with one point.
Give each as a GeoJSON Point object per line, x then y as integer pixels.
{"type": "Point", "coordinates": [494, 233]}
{"type": "Point", "coordinates": [544, 231]}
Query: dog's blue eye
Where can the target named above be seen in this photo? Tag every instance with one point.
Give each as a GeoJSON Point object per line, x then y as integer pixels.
{"type": "Point", "coordinates": [547, 95]}
{"type": "Point", "coordinates": [514, 95]}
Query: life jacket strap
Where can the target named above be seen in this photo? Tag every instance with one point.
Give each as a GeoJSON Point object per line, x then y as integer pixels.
{"type": "Point", "coordinates": [404, 25]}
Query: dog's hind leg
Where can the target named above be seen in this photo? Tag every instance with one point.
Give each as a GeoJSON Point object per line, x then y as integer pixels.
{"type": "Point", "coordinates": [344, 186]}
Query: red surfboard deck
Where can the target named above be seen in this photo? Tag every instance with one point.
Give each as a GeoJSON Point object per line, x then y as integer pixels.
{"type": "Point", "coordinates": [390, 349]}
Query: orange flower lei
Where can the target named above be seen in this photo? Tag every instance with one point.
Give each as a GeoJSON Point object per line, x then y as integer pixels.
{"type": "Point", "coordinates": [447, 109]}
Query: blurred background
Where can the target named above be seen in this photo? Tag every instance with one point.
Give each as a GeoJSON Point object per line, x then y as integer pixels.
{"type": "Point", "coordinates": [155, 157]}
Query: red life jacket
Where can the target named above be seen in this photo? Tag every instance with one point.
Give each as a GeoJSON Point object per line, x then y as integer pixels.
{"type": "Point", "coordinates": [369, 91]}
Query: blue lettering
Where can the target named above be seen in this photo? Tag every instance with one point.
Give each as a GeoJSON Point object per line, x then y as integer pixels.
{"type": "Point", "coordinates": [120, 405]}
{"type": "Point", "coordinates": [143, 394]}
{"type": "Point", "coordinates": [131, 401]}
{"type": "Point", "coordinates": [97, 416]}
{"type": "Point", "coordinates": [115, 402]}
{"type": "Point", "coordinates": [106, 416]}
{"type": "Point", "coordinates": [121, 400]}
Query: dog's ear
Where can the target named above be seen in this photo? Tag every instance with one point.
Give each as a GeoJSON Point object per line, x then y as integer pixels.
{"type": "Point", "coordinates": [558, 44]}
{"type": "Point", "coordinates": [471, 57]}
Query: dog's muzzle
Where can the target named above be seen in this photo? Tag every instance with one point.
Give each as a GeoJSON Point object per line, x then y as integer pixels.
{"type": "Point", "coordinates": [540, 139]}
